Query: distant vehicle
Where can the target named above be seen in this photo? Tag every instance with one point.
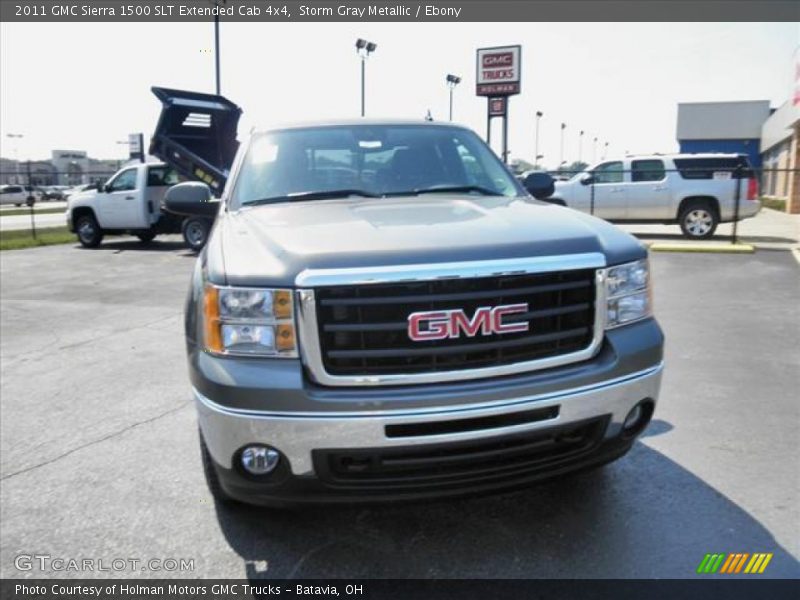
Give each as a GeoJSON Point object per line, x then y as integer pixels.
{"type": "Point", "coordinates": [86, 187]}
{"type": "Point", "coordinates": [18, 195]}
{"type": "Point", "coordinates": [53, 192]}
{"type": "Point", "coordinates": [696, 191]}
{"type": "Point", "coordinates": [131, 202]}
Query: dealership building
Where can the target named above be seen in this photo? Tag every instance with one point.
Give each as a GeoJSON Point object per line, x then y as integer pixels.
{"type": "Point", "coordinates": [768, 136]}
{"type": "Point", "coordinates": [65, 167]}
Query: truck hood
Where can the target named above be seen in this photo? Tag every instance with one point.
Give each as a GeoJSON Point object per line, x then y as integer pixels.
{"type": "Point", "coordinates": [80, 196]}
{"type": "Point", "coordinates": [272, 244]}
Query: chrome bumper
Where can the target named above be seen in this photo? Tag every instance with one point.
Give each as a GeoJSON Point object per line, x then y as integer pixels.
{"type": "Point", "coordinates": [296, 434]}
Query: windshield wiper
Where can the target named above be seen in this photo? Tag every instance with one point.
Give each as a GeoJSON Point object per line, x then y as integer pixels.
{"type": "Point", "coordinates": [455, 189]}
{"type": "Point", "coordinates": [318, 195]}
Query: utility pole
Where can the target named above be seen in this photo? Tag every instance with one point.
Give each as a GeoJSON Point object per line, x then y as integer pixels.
{"type": "Point", "coordinates": [16, 137]}
{"type": "Point", "coordinates": [216, 53]}
{"type": "Point", "coordinates": [31, 200]}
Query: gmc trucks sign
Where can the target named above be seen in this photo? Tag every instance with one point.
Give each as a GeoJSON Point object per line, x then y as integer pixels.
{"type": "Point", "coordinates": [498, 71]}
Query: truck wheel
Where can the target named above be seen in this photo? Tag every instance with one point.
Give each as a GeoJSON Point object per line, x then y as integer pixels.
{"type": "Point", "coordinates": [89, 233]}
{"type": "Point", "coordinates": [698, 221]}
{"type": "Point", "coordinates": [146, 237]}
{"type": "Point", "coordinates": [195, 233]}
{"type": "Point", "coordinates": [212, 480]}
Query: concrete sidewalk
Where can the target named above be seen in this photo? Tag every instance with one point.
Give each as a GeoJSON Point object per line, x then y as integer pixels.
{"type": "Point", "coordinates": [768, 230]}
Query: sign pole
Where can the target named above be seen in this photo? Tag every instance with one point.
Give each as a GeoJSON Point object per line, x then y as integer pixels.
{"type": "Point", "coordinates": [498, 77]}
{"type": "Point", "coordinates": [31, 200]}
{"type": "Point", "coordinates": [505, 136]}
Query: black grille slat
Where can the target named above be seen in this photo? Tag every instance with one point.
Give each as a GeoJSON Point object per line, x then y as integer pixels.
{"type": "Point", "coordinates": [402, 325]}
{"type": "Point", "coordinates": [459, 462]}
{"type": "Point", "coordinates": [471, 424]}
{"type": "Point", "coordinates": [363, 301]}
{"type": "Point", "coordinates": [438, 351]}
{"type": "Point", "coordinates": [363, 328]}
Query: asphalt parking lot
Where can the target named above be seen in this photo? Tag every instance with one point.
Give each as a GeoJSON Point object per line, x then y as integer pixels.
{"type": "Point", "coordinates": [100, 460]}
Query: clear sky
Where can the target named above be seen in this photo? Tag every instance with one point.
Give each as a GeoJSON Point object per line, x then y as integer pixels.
{"type": "Point", "coordinates": [86, 86]}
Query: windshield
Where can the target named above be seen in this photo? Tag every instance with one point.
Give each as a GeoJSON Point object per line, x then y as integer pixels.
{"type": "Point", "coordinates": [368, 160]}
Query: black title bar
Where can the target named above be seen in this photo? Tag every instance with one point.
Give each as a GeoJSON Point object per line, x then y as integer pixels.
{"type": "Point", "coordinates": [701, 588]}
{"type": "Point", "coordinates": [269, 11]}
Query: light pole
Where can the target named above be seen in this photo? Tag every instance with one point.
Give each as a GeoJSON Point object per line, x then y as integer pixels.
{"type": "Point", "coordinates": [561, 155]}
{"type": "Point", "coordinates": [605, 150]}
{"type": "Point", "coordinates": [218, 4]}
{"type": "Point", "coordinates": [580, 145]}
{"type": "Point", "coordinates": [364, 49]}
{"type": "Point", "coordinates": [594, 150]}
{"type": "Point", "coordinates": [452, 82]}
{"type": "Point", "coordinates": [539, 115]}
{"type": "Point", "coordinates": [16, 136]}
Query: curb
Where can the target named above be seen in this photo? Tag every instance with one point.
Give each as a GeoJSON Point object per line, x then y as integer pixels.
{"type": "Point", "coordinates": [713, 248]}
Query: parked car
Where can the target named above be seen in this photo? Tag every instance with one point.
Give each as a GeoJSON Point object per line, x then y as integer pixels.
{"type": "Point", "coordinates": [131, 202]}
{"type": "Point", "coordinates": [382, 312]}
{"type": "Point", "coordinates": [18, 194]}
{"type": "Point", "coordinates": [53, 192]}
{"type": "Point", "coordinates": [696, 191]}
{"type": "Point", "coordinates": [86, 187]}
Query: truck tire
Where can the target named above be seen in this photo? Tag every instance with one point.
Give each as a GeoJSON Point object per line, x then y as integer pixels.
{"type": "Point", "coordinates": [89, 233]}
{"type": "Point", "coordinates": [698, 220]}
{"type": "Point", "coordinates": [212, 480]}
{"type": "Point", "coordinates": [195, 232]}
{"type": "Point", "coordinates": [146, 237]}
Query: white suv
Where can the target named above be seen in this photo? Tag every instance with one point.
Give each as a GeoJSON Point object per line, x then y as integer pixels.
{"type": "Point", "coordinates": [18, 194]}
{"type": "Point", "coordinates": [696, 191]}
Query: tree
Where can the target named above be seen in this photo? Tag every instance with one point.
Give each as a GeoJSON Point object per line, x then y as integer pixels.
{"type": "Point", "coordinates": [575, 167]}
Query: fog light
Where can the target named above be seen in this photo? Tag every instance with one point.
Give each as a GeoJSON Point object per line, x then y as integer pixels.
{"type": "Point", "coordinates": [260, 460]}
{"type": "Point", "coordinates": [632, 420]}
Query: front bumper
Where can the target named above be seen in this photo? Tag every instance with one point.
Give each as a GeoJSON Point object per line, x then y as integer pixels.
{"type": "Point", "coordinates": [306, 440]}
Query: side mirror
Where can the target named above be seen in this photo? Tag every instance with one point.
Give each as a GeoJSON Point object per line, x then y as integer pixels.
{"type": "Point", "coordinates": [587, 180]}
{"type": "Point", "coordinates": [101, 187]}
{"type": "Point", "coordinates": [191, 198]}
{"type": "Point", "coordinates": [539, 185]}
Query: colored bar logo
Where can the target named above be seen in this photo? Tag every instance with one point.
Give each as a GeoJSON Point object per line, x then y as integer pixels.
{"type": "Point", "coordinates": [734, 563]}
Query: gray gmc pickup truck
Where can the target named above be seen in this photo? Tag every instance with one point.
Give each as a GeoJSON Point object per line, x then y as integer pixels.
{"type": "Point", "coordinates": [383, 312]}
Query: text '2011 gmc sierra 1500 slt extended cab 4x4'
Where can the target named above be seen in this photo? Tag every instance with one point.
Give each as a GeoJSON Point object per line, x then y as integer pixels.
{"type": "Point", "coordinates": [382, 312]}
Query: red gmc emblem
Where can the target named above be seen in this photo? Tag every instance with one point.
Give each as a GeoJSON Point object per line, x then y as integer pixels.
{"type": "Point", "coordinates": [499, 59]}
{"type": "Point", "coordinates": [487, 320]}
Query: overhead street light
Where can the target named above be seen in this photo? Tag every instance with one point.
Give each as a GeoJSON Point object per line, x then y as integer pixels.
{"type": "Point", "coordinates": [561, 156]}
{"type": "Point", "coordinates": [452, 82]}
{"type": "Point", "coordinates": [580, 145]}
{"type": "Point", "coordinates": [364, 48]}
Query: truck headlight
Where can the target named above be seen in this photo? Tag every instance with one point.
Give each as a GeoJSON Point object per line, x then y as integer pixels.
{"type": "Point", "coordinates": [249, 322]}
{"type": "Point", "coordinates": [628, 293]}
